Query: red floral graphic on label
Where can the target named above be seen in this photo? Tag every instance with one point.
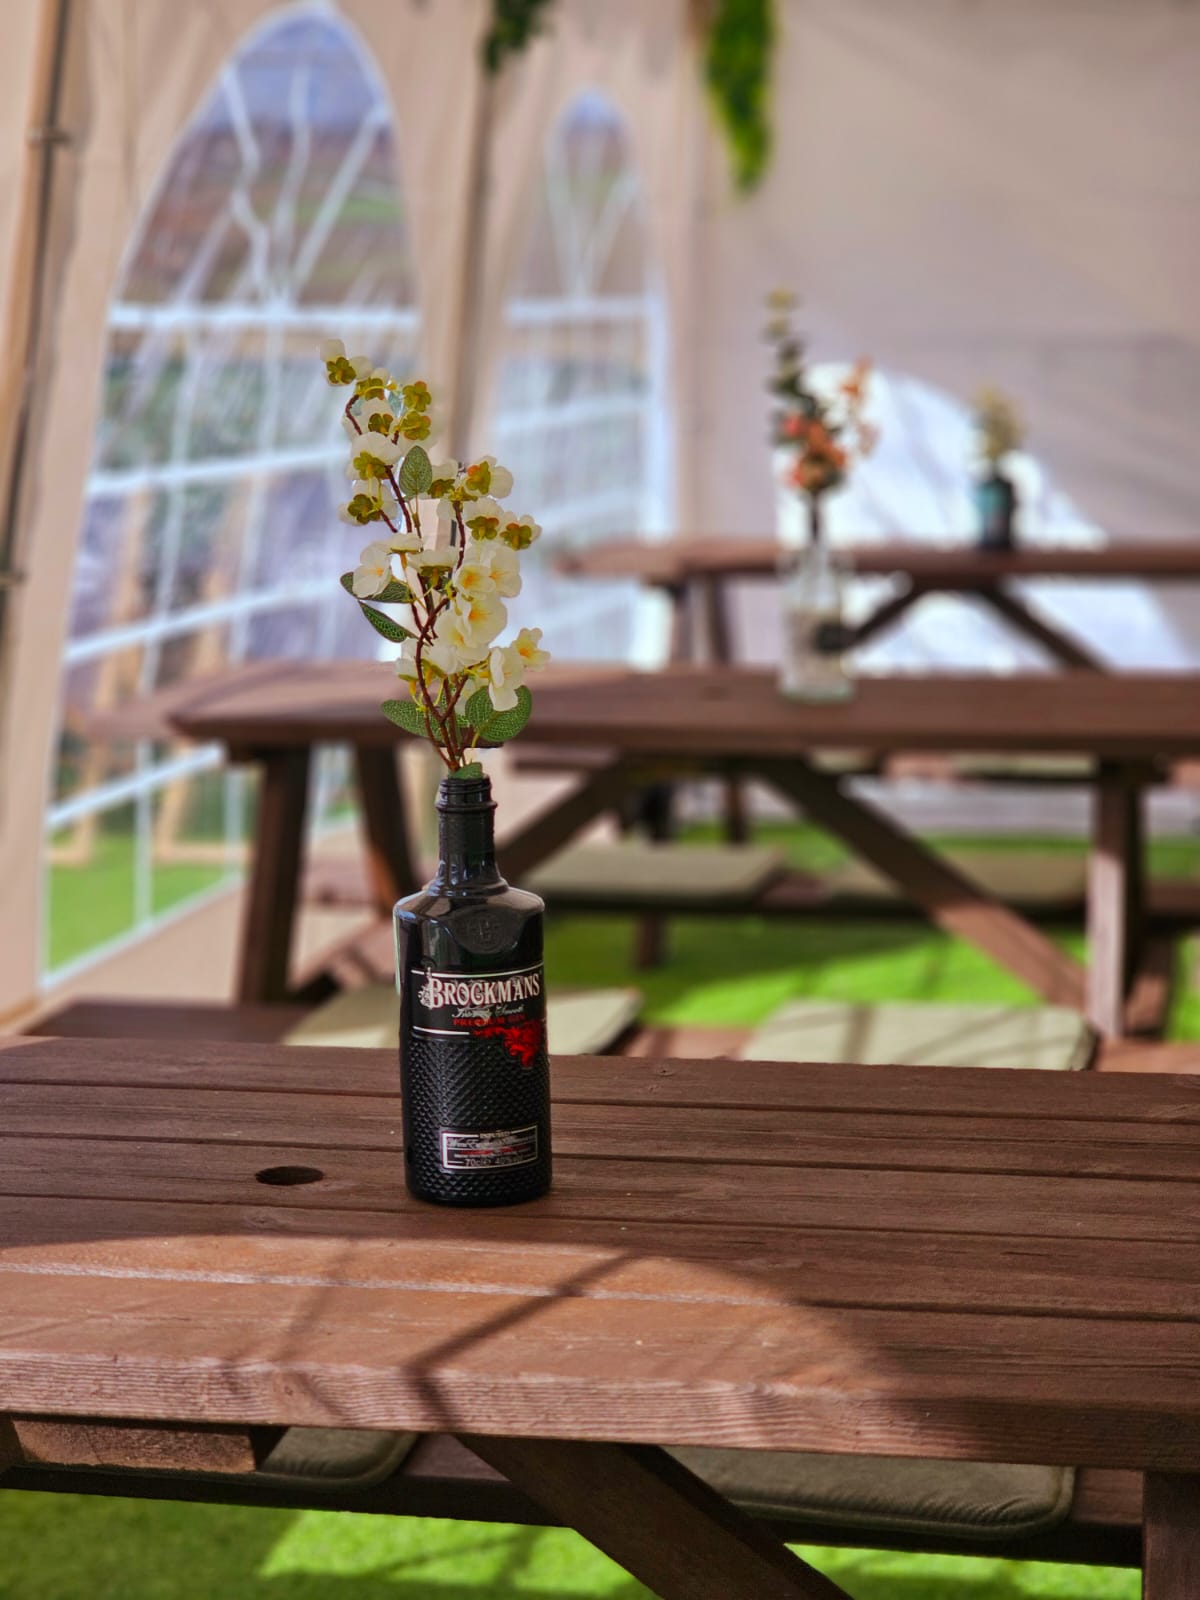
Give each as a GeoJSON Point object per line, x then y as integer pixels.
{"type": "Point", "coordinates": [522, 1039]}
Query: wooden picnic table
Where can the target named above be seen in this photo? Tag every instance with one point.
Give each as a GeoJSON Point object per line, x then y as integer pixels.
{"type": "Point", "coordinates": [733, 722]}
{"type": "Point", "coordinates": [698, 570]}
{"type": "Point", "coordinates": [198, 1240]}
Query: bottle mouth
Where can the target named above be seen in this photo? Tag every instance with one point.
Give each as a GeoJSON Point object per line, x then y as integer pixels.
{"type": "Point", "coordinates": [464, 794]}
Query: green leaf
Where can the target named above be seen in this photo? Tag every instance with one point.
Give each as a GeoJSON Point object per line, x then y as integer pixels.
{"type": "Point", "coordinates": [416, 473]}
{"type": "Point", "coordinates": [396, 593]}
{"type": "Point", "coordinates": [384, 625]}
{"type": "Point", "coordinates": [407, 714]}
{"type": "Point", "coordinates": [473, 769]}
{"type": "Point", "coordinates": [497, 726]}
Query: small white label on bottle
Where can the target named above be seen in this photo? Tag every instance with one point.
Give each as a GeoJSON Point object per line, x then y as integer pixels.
{"type": "Point", "coordinates": [474, 1152]}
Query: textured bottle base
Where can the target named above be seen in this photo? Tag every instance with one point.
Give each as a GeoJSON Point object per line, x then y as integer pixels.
{"type": "Point", "coordinates": [474, 1088]}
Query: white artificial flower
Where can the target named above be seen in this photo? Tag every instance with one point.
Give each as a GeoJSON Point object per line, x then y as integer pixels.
{"type": "Point", "coordinates": [331, 349]}
{"type": "Point", "coordinates": [501, 564]}
{"type": "Point", "coordinates": [520, 532]}
{"type": "Point", "coordinates": [483, 616]}
{"type": "Point", "coordinates": [372, 454]}
{"type": "Point", "coordinates": [428, 560]}
{"type": "Point", "coordinates": [506, 672]}
{"type": "Point", "coordinates": [487, 477]}
{"type": "Point", "coordinates": [527, 646]}
{"type": "Point", "coordinates": [406, 661]}
{"type": "Point", "coordinates": [444, 473]}
{"type": "Point", "coordinates": [406, 541]}
{"type": "Point", "coordinates": [388, 503]}
{"type": "Point", "coordinates": [474, 578]}
{"type": "Point", "coordinates": [361, 365]}
{"type": "Point", "coordinates": [348, 428]}
{"type": "Point", "coordinates": [374, 570]}
{"type": "Point", "coordinates": [374, 408]}
{"type": "Point", "coordinates": [446, 655]}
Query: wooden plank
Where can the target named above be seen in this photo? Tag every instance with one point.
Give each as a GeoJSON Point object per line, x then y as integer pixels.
{"type": "Point", "coordinates": [134, 1446]}
{"type": "Point", "coordinates": [1061, 648]}
{"type": "Point", "coordinates": [169, 1019]}
{"type": "Point", "coordinates": [646, 1261]}
{"type": "Point", "coordinates": [949, 897]}
{"type": "Point", "coordinates": [925, 1141]}
{"type": "Point", "coordinates": [961, 565]}
{"type": "Point", "coordinates": [391, 866]}
{"type": "Point", "coordinates": [714, 715]}
{"type": "Point", "coordinates": [656, 1519]}
{"type": "Point", "coordinates": [897, 1383]}
{"type": "Point", "coordinates": [1172, 1537]}
{"type": "Point", "coordinates": [1161, 1098]}
{"type": "Point", "coordinates": [1116, 914]}
{"type": "Point", "coordinates": [1141, 1055]}
{"type": "Point", "coordinates": [270, 906]}
{"type": "Point", "coordinates": [707, 1193]}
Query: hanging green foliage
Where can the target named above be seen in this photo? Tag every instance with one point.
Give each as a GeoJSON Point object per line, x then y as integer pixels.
{"type": "Point", "coordinates": [737, 69]}
{"type": "Point", "coordinates": [514, 24]}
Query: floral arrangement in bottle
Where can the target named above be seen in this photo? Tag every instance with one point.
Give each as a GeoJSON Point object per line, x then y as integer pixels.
{"type": "Point", "coordinates": [999, 431]}
{"type": "Point", "coordinates": [998, 426]}
{"type": "Point", "coordinates": [822, 435]}
{"type": "Point", "coordinates": [448, 552]}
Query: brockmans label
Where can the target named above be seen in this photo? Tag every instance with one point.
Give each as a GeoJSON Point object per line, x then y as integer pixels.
{"type": "Point", "coordinates": [507, 1006]}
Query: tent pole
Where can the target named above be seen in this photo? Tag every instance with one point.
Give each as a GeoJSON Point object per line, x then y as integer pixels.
{"type": "Point", "coordinates": [26, 305]}
{"type": "Point", "coordinates": [463, 396]}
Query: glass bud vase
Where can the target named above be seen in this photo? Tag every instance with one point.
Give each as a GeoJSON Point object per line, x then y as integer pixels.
{"type": "Point", "coordinates": [996, 501]}
{"type": "Point", "coordinates": [814, 632]}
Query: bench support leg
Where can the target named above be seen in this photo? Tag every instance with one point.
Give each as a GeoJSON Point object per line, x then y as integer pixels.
{"type": "Point", "coordinates": [1171, 1520]}
{"type": "Point", "coordinates": [658, 1520]}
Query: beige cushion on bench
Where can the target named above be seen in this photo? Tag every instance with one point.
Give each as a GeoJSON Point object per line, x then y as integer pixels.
{"type": "Point", "coordinates": [333, 1458]}
{"type": "Point", "coordinates": [971, 1500]}
{"type": "Point", "coordinates": [1029, 877]}
{"type": "Point", "coordinates": [583, 1022]}
{"type": "Point", "coordinates": [1045, 1038]}
{"type": "Point", "coordinates": [638, 870]}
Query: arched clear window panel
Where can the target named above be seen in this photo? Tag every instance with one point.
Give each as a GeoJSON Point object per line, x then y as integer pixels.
{"type": "Point", "coordinates": [919, 485]}
{"type": "Point", "coordinates": [209, 534]}
{"type": "Point", "coordinates": [580, 407]}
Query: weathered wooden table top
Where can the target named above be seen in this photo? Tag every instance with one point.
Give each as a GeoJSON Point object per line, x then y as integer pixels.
{"type": "Point", "coordinates": [671, 563]}
{"type": "Point", "coordinates": [722, 711]}
{"type": "Point", "coordinates": [895, 1260]}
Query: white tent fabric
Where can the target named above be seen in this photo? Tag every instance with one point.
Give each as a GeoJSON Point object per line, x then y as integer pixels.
{"type": "Point", "coordinates": [969, 192]}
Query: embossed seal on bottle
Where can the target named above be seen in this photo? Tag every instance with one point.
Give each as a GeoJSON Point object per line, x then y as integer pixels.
{"type": "Point", "coordinates": [483, 930]}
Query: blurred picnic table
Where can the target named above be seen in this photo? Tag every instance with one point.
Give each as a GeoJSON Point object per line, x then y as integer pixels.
{"type": "Point", "coordinates": [697, 571]}
{"type": "Point", "coordinates": [204, 1242]}
{"type": "Point", "coordinates": [697, 721]}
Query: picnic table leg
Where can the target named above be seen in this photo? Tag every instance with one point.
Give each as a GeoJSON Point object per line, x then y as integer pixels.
{"type": "Point", "coordinates": [391, 868]}
{"type": "Point", "coordinates": [1171, 1532]}
{"type": "Point", "coordinates": [947, 896]}
{"type": "Point", "coordinates": [274, 884]}
{"type": "Point", "coordinates": [885, 614]}
{"type": "Point", "coordinates": [656, 1519]}
{"type": "Point", "coordinates": [1061, 648]}
{"type": "Point", "coordinates": [715, 595]}
{"type": "Point", "coordinates": [1115, 896]}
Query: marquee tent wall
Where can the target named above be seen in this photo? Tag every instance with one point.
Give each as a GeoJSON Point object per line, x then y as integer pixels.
{"type": "Point", "coordinates": [968, 191]}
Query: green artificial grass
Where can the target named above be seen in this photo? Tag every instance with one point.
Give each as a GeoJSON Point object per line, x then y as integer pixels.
{"type": "Point", "coordinates": [69, 1547]}
{"type": "Point", "coordinates": [719, 972]}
